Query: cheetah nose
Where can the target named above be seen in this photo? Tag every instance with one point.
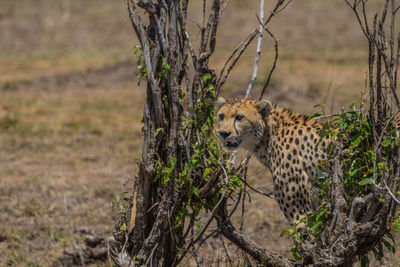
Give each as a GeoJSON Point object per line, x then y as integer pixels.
{"type": "Point", "coordinates": [224, 134]}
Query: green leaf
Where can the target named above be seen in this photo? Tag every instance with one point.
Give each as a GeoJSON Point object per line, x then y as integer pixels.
{"type": "Point", "coordinates": [356, 140]}
{"type": "Point", "coordinates": [162, 75]}
{"type": "Point", "coordinates": [137, 50]}
{"type": "Point", "coordinates": [295, 253]}
{"type": "Point", "coordinates": [390, 236]}
{"type": "Point", "coordinates": [206, 77]}
{"type": "Point", "coordinates": [351, 112]}
{"type": "Point", "coordinates": [353, 171]}
{"type": "Point", "coordinates": [165, 64]}
{"type": "Point", "coordinates": [315, 115]}
{"type": "Point", "coordinates": [196, 191]}
{"type": "Point", "coordinates": [389, 246]}
{"type": "Point", "coordinates": [365, 181]}
{"type": "Point", "coordinates": [397, 225]}
{"type": "Point", "coordinates": [284, 232]}
{"type": "Point", "coordinates": [364, 261]}
{"type": "Point", "coordinates": [123, 227]}
{"type": "Point", "coordinates": [157, 132]}
{"type": "Point", "coordinates": [206, 174]}
{"type": "Point", "coordinates": [171, 164]}
{"type": "Point", "coordinates": [377, 254]}
{"type": "Point", "coordinates": [387, 142]}
{"type": "Point", "coordinates": [297, 237]}
{"type": "Point", "coordinates": [315, 226]}
{"type": "Point", "coordinates": [371, 155]}
{"type": "Point", "coordinates": [321, 215]}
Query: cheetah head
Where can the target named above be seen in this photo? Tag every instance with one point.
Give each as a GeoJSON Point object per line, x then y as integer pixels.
{"type": "Point", "coordinates": [241, 122]}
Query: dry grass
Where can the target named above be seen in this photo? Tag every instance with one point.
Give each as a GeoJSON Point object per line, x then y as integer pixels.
{"type": "Point", "coordinates": [70, 111]}
{"type": "Point", "coordinates": [64, 154]}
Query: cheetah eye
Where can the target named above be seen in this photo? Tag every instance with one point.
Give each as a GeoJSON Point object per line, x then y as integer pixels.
{"type": "Point", "coordinates": [221, 117]}
{"type": "Point", "coordinates": [238, 117]}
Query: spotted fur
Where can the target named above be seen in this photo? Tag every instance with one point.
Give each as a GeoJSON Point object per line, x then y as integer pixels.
{"type": "Point", "coordinates": [287, 143]}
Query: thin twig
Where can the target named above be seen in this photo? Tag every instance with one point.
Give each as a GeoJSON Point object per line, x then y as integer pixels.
{"type": "Point", "coordinates": [242, 46]}
{"type": "Point", "coordinates": [224, 7]}
{"type": "Point", "coordinates": [256, 190]}
{"type": "Point", "coordinates": [273, 65]}
{"type": "Point", "coordinates": [226, 251]}
{"type": "Point", "coordinates": [391, 194]}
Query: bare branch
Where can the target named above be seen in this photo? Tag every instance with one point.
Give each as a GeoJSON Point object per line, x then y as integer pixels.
{"type": "Point", "coordinates": [242, 46]}
{"type": "Point", "coordinates": [364, 26]}
{"type": "Point", "coordinates": [279, 6]}
{"type": "Point", "coordinates": [258, 50]}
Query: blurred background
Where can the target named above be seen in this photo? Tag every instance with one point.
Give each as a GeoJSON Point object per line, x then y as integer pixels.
{"type": "Point", "coordinates": [70, 108]}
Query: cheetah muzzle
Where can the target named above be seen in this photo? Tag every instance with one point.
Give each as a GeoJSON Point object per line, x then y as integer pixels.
{"type": "Point", "coordinates": [230, 142]}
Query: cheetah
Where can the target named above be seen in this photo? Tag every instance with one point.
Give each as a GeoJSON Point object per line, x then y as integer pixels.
{"type": "Point", "coordinates": [288, 144]}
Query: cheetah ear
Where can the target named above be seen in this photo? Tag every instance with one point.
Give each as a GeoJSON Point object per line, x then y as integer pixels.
{"type": "Point", "coordinates": [221, 101]}
{"type": "Point", "coordinates": [263, 107]}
